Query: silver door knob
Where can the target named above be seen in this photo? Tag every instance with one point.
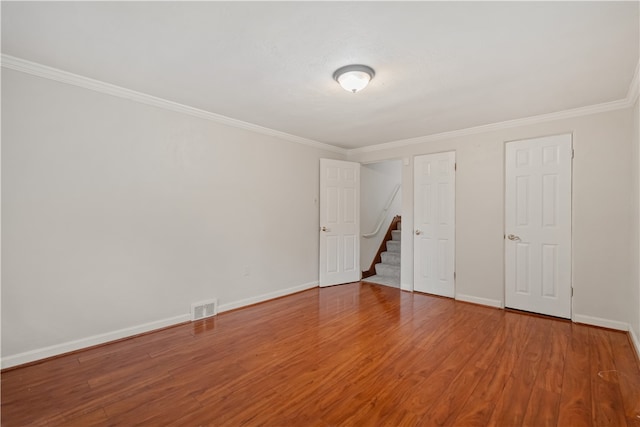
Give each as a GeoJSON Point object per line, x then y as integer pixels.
{"type": "Point", "coordinates": [323, 228]}
{"type": "Point", "coordinates": [513, 237]}
{"type": "Point", "coordinates": [418, 232]}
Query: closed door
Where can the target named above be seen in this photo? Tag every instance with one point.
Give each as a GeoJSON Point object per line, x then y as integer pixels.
{"type": "Point", "coordinates": [339, 222]}
{"type": "Point", "coordinates": [538, 225]}
{"type": "Point", "coordinates": [434, 220]}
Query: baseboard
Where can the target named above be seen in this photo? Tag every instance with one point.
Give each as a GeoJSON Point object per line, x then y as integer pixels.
{"type": "Point", "coordinates": [478, 300]}
{"type": "Point", "coordinates": [636, 341]}
{"type": "Point", "coordinates": [603, 323]}
{"type": "Point", "coordinates": [265, 297]}
{"type": "Point", "coordinates": [58, 349]}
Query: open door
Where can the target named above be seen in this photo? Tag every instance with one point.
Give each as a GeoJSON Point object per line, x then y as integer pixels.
{"type": "Point", "coordinates": [339, 222]}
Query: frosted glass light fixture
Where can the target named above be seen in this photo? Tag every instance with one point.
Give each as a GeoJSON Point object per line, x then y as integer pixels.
{"type": "Point", "coordinates": [354, 78]}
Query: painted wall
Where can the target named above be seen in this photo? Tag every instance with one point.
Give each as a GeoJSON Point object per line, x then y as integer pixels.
{"type": "Point", "coordinates": [377, 183]}
{"type": "Point", "coordinates": [117, 214]}
{"type": "Point", "coordinates": [634, 298]}
{"type": "Point", "coordinates": [601, 211]}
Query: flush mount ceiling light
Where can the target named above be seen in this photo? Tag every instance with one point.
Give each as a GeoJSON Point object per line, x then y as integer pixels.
{"type": "Point", "coordinates": [354, 78]}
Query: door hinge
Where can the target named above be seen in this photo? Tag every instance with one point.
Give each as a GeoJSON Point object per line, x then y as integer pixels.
{"type": "Point", "coordinates": [572, 291]}
{"type": "Point", "coordinates": [573, 153]}
{"type": "Point", "coordinates": [454, 275]}
{"type": "Point", "coordinates": [455, 166]}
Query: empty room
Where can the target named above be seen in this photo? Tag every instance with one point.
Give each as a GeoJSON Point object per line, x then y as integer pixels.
{"type": "Point", "coordinates": [320, 213]}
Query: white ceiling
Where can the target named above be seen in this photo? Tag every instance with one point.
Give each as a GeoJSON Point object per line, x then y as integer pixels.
{"type": "Point", "coordinates": [440, 66]}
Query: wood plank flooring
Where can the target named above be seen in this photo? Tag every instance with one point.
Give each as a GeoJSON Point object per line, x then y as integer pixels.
{"type": "Point", "coordinates": [351, 355]}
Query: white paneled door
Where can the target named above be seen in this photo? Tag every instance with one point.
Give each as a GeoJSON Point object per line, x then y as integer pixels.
{"type": "Point", "coordinates": [538, 225]}
{"type": "Point", "coordinates": [434, 224]}
{"type": "Point", "coordinates": [339, 222]}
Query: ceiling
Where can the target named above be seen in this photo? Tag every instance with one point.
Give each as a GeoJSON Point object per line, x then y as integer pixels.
{"type": "Point", "coordinates": [440, 66]}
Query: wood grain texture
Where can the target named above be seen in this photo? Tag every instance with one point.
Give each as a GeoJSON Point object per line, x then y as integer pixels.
{"type": "Point", "coordinates": [353, 355]}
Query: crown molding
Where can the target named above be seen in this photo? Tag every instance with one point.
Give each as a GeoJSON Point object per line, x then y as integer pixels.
{"type": "Point", "coordinates": [22, 65]}
{"type": "Point", "coordinates": [576, 112]}
{"type": "Point", "coordinates": [628, 102]}
{"type": "Point", "coordinates": [33, 68]}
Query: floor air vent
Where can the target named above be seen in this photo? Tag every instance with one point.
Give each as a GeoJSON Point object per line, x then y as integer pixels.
{"type": "Point", "coordinates": [202, 309]}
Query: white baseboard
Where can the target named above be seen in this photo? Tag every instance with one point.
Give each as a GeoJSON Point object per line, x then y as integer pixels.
{"type": "Point", "coordinates": [603, 323]}
{"type": "Point", "coordinates": [406, 287]}
{"type": "Point", "coordinates": [482, 301]}
{"type": "Point", "coordinates": [55, 350]}
{"type": "Point", "coordinates": [58, 349]}
{"type": "Point", "coordinates": [265, 297]}
{"type": "Point", "coordinates": [635, 340]}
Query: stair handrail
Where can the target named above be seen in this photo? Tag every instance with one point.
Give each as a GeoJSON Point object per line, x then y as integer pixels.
{"type": "Point", "coordinates": [383, 215]}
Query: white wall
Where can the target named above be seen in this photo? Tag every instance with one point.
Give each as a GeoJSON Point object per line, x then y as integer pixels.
{"type": "Point", "coordinates": [601, 211]}
{"type": "Point", "coordinates": [634, 297]}
{"type": "Point", "coordinates": [377, 183]}
{"type": "Point", "coordinates": [117, 214]}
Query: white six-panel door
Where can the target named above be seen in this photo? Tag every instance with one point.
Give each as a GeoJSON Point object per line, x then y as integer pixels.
{"type": "Point", "coordinates": [339, 222]}
{"type": "Point", "coordinates": [538, 225]}
{"type": "Point", "coordinates": [434, 223]}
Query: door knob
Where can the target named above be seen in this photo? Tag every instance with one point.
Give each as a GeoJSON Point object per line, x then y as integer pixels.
{"type": "Point", "coordinates": [513, 237]}
{"type": "Point", "coordinates": [323, 228]}
{"type": "Point", "coordinates": [418, 232]}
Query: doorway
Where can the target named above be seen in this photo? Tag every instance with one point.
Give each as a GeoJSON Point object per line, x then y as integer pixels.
{"type": "Point", "coordinates": [381, 208]}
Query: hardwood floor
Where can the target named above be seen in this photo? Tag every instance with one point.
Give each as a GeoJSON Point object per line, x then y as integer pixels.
{"type": "Point", "coordinates": [352, 355]}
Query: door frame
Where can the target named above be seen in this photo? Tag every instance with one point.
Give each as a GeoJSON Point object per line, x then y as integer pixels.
{"type": "Point", "coordinates": [407, 206]}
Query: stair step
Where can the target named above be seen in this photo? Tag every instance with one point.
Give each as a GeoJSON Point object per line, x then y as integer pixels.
{"type": "Point", "coordinates": [395, 235]}
{"type": "Point", "coordinates": [391, 258]}
{"type": "Point", "coordinates": [387, 270]}
{"type": "Point", "coordinates": [393, 246]}
{"type": "Point", "coordinates": [381, 280]}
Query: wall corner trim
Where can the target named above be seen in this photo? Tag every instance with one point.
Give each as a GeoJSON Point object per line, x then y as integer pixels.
{"type": "Point", "coordinates": [39, 70]}
{"type": "Point", "coordinates": [598, 321]}
{"type": "Point", "coordinates": [478, 300]}
{"type": "Point", "coordinates": [634, 86]}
